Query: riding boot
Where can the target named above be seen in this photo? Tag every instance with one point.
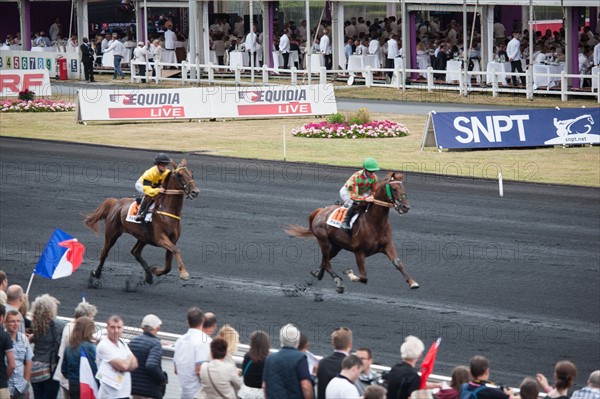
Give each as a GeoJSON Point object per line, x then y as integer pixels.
{"type": "Point", "coordinates": [349, 215]}
{"type": "Point", "coordinates": [143, 210]}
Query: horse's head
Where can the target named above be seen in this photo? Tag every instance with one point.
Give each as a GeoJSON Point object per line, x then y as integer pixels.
{"type": "Point", "coordinates": [185, 177]}
{"type": "Point", "coordinates": [394, 192]}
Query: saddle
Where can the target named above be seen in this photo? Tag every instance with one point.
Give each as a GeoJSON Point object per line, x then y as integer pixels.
{"type": "Point", "coordinates": [132, 213]}
{"type": "Point", "coordinates": [337, 217]}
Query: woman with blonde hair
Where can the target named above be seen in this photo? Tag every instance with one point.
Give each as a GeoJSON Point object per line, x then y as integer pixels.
{"type": "Point", "coordinates": [231, 336]}
{"type": "Point", "coordinates": [47, 332]}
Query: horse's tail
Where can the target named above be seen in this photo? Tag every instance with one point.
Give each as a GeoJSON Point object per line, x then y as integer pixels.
{"type": "Point", "coordinates": [301, 231]}
{"type": "Point", "coordinates": [298, 231]}
{"type": "Point", "coordinates": [91, 219]}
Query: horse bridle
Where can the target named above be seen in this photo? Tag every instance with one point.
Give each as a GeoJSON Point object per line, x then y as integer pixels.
{"type": "Point", "coordinates": [392, 202]}
{"type": "Point", "coordinates": [186, 187]}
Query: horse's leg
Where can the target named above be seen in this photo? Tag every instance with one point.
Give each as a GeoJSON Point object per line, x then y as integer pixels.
{"type": "Point", "coordinates": [390, 251]}
{"type": "Point", "coordinates": [136, 251]}
{"type": "Point", "coordinates": [339, 286]}
{"type": "Point", "coordinates": [362, 272]}
{"type": "Point", "coordinates": [109, 241]}
{"type": "Point", "coordinates": [166, 243]}
{"type": "Point", "coordinates": [168, 263]}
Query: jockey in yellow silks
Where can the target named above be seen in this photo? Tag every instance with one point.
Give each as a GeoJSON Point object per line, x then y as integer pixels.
{"type": "Point", "coordinates": [149, 184]}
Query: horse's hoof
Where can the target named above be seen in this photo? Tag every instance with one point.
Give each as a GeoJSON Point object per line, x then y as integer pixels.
{"type": "Point", "coordinates": [339, 289]}
{"type": "Point", "coordinates": [93, 283]}
{"type": "Point", "coordinates": [413, 284]}
{"type": "Point", "coordinates": [318, 273]}
{"type": "Point", "coordinates": [184, 276]}
{"type": "Point", "coordinates": [149, 279]}
{"type": "Point", "coordinates": [94, 275]}
{"type": "Point", "coordinates": [363, 280]}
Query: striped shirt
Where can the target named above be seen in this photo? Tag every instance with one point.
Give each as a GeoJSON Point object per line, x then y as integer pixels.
{"type": "Point", "coordinates": [360, 186]}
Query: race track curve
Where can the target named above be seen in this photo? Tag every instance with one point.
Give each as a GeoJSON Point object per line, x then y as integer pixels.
{"type": "Point", "coordinates": [515, 278]}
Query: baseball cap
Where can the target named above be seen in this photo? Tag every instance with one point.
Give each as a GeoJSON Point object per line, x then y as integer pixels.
{"type": "Point", "coordinates": [140, 43]}
{"type": "Point", "coordinates": [151, 321]}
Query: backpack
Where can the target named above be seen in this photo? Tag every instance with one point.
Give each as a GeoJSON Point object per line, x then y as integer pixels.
{"type": "Point", "coordinates": [465, 393]}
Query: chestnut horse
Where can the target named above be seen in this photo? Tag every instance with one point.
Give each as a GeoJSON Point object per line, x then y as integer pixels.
{"type": "Point", "coordinates": [371, 233]}
{"type": "Point", "coordinates": [163, 231]}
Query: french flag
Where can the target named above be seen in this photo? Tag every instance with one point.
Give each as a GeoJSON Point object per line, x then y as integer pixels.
{"type": "Point", "coordinates": [61, 257]}
{"type": "Point", "coordinates": [88, 389]}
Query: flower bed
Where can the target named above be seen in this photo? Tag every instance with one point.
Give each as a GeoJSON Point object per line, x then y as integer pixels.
{"type": "Point", "coordinates": [373, 129]}
{"type": "Point", "coordinates": [35, 106]}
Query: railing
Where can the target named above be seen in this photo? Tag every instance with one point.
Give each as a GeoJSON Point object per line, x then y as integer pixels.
{"type": "Point", "coordinates": [213, 74]}
{"type": "Point", "coordinates": [168, 343]}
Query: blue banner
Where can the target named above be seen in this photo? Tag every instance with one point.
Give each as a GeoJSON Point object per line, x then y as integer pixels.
{"type": "Point", "coordinates": [517, 128]}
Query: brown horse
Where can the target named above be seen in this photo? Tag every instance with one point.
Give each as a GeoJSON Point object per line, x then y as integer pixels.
{"type": "Point", "coordinates": [163, 231]}
{"type": "Point", "coordinates": [371, 233]}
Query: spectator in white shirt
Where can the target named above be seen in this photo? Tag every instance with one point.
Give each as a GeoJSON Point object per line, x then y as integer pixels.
{"type": "Point", "coordinates": [118, 50]}
{"type": "Point", "coordinates": [342, 386]}
{"type": "Point", "coordinates": [597, 54]}
{"type": "Point", "coordinates": [374, 46]}
{"type": "Point", "coordinates": [251, 45]}
{"type": "Point", "coordinates": [284, 47]}
{"type": "Point", "coordinates": [325, 47]}
{"type": "Point", "coordinates": [140, 54]}
{"type": "Point", "coordinates": [392, 45]}
{"type": "Point", "coordinates": [513, 50]}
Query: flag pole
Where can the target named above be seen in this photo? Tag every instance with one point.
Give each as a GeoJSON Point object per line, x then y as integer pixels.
{"type": "Point", "coordinates": [29, 285]}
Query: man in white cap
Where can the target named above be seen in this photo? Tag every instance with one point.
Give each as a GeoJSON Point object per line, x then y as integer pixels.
{"type": "Point", "coordinates": [148, 380]}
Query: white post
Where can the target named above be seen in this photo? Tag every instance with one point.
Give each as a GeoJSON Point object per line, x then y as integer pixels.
{"type": "Point", "coordinates": [252, 55]}
{"type": "Point", "coordinates": [284, 146]}
{"type": "Point", "coordinates": [308, 50]}
{"type": "Point", "coordinates": [500, 185]}
{"type": "Point", "coordinates": [465, 60]}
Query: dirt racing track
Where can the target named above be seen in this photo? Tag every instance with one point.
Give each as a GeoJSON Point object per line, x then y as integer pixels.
{"type": "Point", "coordinates": [515, 278]}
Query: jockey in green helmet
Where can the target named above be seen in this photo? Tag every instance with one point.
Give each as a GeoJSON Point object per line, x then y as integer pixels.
{"type": "Point", "coordinates": [359, 188]}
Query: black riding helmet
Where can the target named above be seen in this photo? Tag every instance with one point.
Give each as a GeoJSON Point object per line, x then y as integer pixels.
{"type": "Point", "coordinates": [162, 158]}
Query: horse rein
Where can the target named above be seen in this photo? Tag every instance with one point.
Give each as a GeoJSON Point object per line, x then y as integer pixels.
{"type": "Point", "coordinates": [175, 192]}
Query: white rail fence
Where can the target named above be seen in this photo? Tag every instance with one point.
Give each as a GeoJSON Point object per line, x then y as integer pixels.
{"type": "Point", "coordinates": [221, 74]}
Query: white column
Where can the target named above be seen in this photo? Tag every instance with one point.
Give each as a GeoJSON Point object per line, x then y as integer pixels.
{"type": "Point", "coordinates": [391, 9]}
{"type": "Point", "coordinates": [337, 34]}
{"type": "Point", "coordinates": [193, 35]}
{"type": "Point", "coordinates": [202, 45]}
{"type": "Point", "coordinates": [490, 28]}
{"type": "Point", "coordinates": [82, 20]}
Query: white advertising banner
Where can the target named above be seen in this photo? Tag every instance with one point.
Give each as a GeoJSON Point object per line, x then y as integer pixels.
{"type": "Point", "coordinates": [12, 82]}
{"type": "Point", "coordinates": [205, 103]}
{"type": "Point", "coordinates": [132, 104]}
{"type": "Point", "coordinates": [36, 60]}
{"type": "Point", "coordinates": [252, 102]}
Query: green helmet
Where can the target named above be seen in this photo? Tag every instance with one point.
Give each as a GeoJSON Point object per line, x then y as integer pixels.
{"type": "Point", "coordinates": [370, 164]}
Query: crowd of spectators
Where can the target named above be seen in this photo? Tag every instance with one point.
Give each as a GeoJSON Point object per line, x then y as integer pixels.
{"type": "Point", "coordinates": [437, 43]}
{"type": "Point", "coordinates": [49, 355]}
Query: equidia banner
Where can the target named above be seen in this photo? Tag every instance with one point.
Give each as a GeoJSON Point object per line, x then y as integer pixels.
{"type": "Point", "coordinates": [207, 102]}
{"type": "Point", "coordinates": [514, 128]}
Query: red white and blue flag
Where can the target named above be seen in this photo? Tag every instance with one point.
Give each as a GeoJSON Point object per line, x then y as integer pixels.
{"type": "Point", "coordinates": [61, 257]}
{"type": "Point", "coordinates": [88, 389]}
